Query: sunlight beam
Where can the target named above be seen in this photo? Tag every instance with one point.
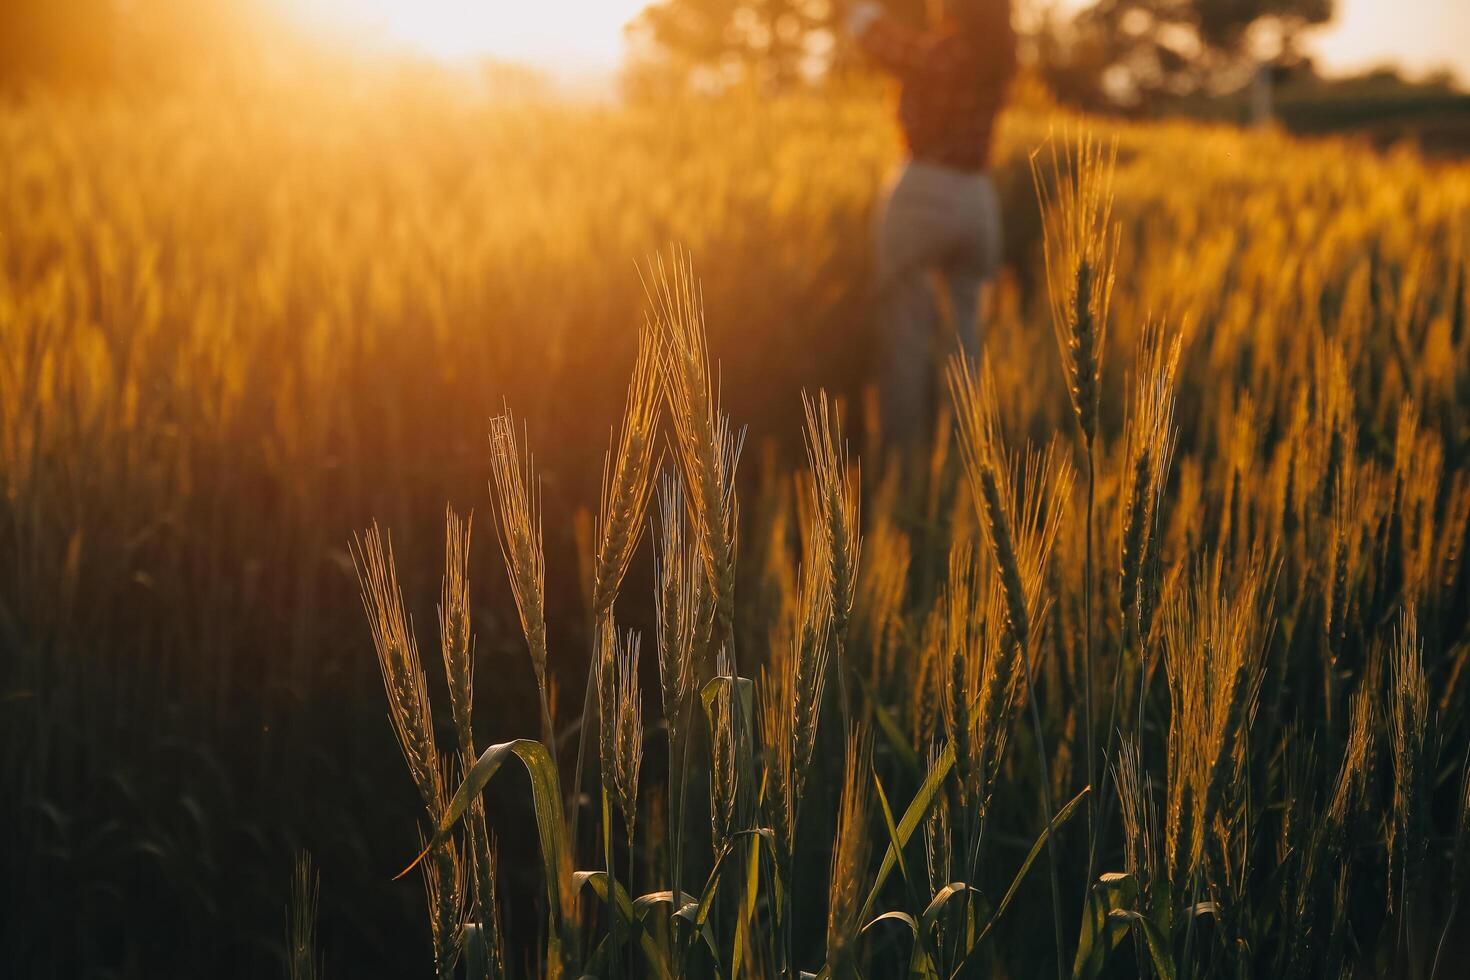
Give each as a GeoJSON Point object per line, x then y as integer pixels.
{"type": "Point", "coordinates": [588, 31]}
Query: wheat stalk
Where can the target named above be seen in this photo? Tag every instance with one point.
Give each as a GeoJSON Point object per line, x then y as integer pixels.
{"type": "Point", "coordinates": [1148, 442]}
{"type": "Point", "coordinates": [1019, 500]}
{"type": "Point", "coordinates": [835, 500]}
{"type": "Point", "coordinates": [676, 607]}
{"type": "Point", "coordinates": [1148, 446]}
{"type": "Point", "coordinates": [1408, 720]}
{"type": "Point", "coordinates": [676, 611]}
{"type": "Point", "coordinates": [811, 650]}
{"type": "Point", "coordinates": [1022, 517]}
{"type": "Point", "coordinates": [444, 891]}
{"type": "Point", "coordinates": [621, 712]}
{"type": "Point", "coordinates": [302, 960]}
{"type": "Point", "coordinates": [1080, 243]}
{"type": "Point", "coordinates": [455, 636]}
{"type": "Point", "coordinates": [456, 640]}
{"type": "Point", "coordinates": [484, 872]}
{"type": "Point", "coordinates": [724, 777]}
{"type": "Point", "coordinates": [960, 694]}
{"type": "Point", "coordinates": [706, 448]}
{"type": "Point", "coordinates": [517, 494]}
{"type": "Point", "coordinates": [627, 482]}
{"type": "Point", "coordinates": [398, 661]}
{"type": "Point", "coordinates": [850, 851]}
{"type": "Point", "coordinates": [627, 485]}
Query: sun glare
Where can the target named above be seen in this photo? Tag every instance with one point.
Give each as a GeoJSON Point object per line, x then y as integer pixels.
{"type": "Point", "coordinates": [567, 31]}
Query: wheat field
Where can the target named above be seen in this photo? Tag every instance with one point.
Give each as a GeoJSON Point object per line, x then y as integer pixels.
{"type": "Point", "coordinates": [1150, 665]}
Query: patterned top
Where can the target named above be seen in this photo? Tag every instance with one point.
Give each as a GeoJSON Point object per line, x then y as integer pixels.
{"type": "Point", "coordinates": [953, 85]}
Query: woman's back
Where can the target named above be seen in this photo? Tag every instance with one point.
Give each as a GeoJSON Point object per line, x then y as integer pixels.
{"type": "Point", "coordinates": [954, 79]}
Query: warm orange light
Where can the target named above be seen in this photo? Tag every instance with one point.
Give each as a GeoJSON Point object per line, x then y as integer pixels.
{"type": "Point", "coordinates": [547, 31]}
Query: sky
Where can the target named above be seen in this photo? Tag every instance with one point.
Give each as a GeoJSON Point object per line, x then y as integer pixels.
{"type": "Point", "coordinates": [582, 36]}
{"type": "Point", "coordinates": [1420, 34]}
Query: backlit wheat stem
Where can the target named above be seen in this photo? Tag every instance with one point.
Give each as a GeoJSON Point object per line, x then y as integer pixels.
{"type": "Point", "coordinates": [835, 494]}
{"type": "Point", "coordinates": [1148, 445]}
{"type": "Point", "coordinates": [1080, 244]}
{"type": "Point", "coordinates": [1408, 719]}
{"type": "Point", "coordinates": [455, 637]}
{"type": "Point", "coordinates": [627, 485]}
{"type": "Point", "coordinates": [517, 494]}
{"type": "Point", "coordinates": [676, 611]}
{"type": "Point", "coordinates": [398, 661]}
{"type": "Point", "coordinates": [627, 476]}
{"type": "Point", "coordinates": [850, 852]}
{"type": "Point", "coordinates": [1021, 532]}
{"type": "Point", "coordinates": [705, 445]}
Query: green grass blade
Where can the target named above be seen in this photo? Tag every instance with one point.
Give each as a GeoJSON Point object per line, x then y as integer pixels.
{"type": "Point", "coordinates": [1112, 891]}
{"type": "Point", "coordinates": [893, 840]}
{"type": "Point", "coordinates": [1158, 946]}
{"type": "Point", "coordinates": [917, 810]}
{"type": "Point", "coordinates": [897, 740]}
{"type": "Point", "coordinates": [624, 909]}
{"type": "Point", "coordinates": [746, 907]}
{"type": "Point", "coordinates": [1063, 815]}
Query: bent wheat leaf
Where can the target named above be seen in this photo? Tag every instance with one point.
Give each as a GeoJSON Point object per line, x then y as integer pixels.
{"type": "Point", "coordinates": [923, 954]}
{"type": "Point", "coordinates": [894, 916]}
{"type": "Point", "coordinates": [918, 809]}
{"type": "Point", "coordinates": [931, 914]}
{"type": "Point", "coordinates": [1112, 891]}
{"type": "Point", "coordinates": [597, 880]}
{"type": "Point", "coordinates": [545, 797]}
{"type": "Point", "coordinates": [697, 914]}
{"type": "Point", "coordinates": [644, 904]}
{"type": "Point", "coordinates": [1158, 946]}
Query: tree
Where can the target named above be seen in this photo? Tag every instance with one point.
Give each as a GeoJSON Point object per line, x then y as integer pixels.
{"type": "Point", "coordinates": [775, 43]}
{"type": "Point", "coordinates": [1140, 50]}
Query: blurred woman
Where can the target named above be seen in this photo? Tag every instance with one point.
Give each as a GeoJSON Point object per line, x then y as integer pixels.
{"type": "Point", "coordinates": [942, 214]}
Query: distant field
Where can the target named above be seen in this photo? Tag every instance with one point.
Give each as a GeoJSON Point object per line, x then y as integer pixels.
{"type": "Point", "coordinates": [234, 331]}
{"type": "Point", "coordinates": [1435, 122]}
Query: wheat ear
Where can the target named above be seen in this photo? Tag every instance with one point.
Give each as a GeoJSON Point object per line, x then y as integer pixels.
{"type": "Point", "coordinates": [398, 661]}
{"type": "Point", "coordinates": [835, 496]}
{"type": "Point", "coordinates": [517, 495]}
{"type": "Point", "coordinates": [1021, 525]}
{"type": "Point", "coordinates": [455, 636]}
{"type": "Point", "coordinates": [706, 448]}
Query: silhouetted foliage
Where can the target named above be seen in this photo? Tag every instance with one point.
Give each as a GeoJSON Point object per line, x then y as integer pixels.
{"type": "Point", "coordinates": [772, 41]}
{"type": "Point", "coordinates": [1134, 52]}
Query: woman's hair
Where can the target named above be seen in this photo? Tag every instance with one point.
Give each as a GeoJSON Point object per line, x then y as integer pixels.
{"type": "Point", "coordinates": [978, 16]}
